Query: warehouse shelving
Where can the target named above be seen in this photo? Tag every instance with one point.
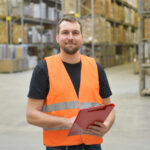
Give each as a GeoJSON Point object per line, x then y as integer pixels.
{"type": "Point", "coordinates": [93, 48]}
{"type": "Point", "coordinates": [40, 22]}
{"type": "Point", "coordinates": [144, 47]}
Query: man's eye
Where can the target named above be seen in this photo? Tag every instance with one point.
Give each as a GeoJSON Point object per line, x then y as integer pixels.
{"type": "Point", "coordinates": [75, 33]}
{"type": "Point", "coordinates": [64, 32]}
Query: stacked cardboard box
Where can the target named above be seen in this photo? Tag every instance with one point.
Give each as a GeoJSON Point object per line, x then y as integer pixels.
{"type": "Point", "coordinates": [120, 34]}
{"type": "Point", "coordinates": [3, 32]}
{"type": "Point", "coordinates": [147, 5]}
{"type": "Point", "coordinates": [128, 35]}
{"type": "Point", "coordinates": [69, 7]}
{"type": "Point", "coordinates": [10, 65]}
{"type": "Point", "coordinates": [108, 33]}
{"type": "Point", "coordinates": [99, 7]}
{"type": "Point", "coordinates": [17, 33]}
{"type": "Point", "coordinates": [147, 28]}
{"type": "Point", "coordinates": [133, 3]}
{"type": "Point", "coordinates": [3, 8]}
{"type": "Point", "coordinates": [99, 30]}
{"type": "Point", "coordinates": [115, 11]}
{"type": "Point", "coordinates": [108, 4]}
{"type": "Point", "coordinates": [121, 14]}
{"type": "Point", "coordinates": [127, 15]}
{"type": "Point", "coordinates": [136, 19]}
{"type": "Point", "coordinates": [126, 55]}
{"type": "Point", "coordinates": [16, 59]}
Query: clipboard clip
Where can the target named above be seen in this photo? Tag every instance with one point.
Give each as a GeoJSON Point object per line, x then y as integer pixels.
{"type": "Point", "coordinates": [97, 109]}
{"type": "Point", "coordinates": [103, 107]}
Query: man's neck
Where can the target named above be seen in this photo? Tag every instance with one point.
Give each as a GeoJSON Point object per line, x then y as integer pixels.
{"type": "Point", "coordinates": [71, 59]}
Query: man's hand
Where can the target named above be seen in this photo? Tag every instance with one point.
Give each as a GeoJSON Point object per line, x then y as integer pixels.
{"type": "Point", "coordinates": [70, 122]}
{"type": "Point", "coordinates": [99, 129]}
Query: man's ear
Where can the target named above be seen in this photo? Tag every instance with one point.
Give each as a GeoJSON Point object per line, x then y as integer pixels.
{"type": "Point", "coordinates": [57, 38]}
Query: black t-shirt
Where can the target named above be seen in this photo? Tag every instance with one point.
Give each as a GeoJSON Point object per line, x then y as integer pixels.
{"type": "Point", "coordinates": [39, 85]}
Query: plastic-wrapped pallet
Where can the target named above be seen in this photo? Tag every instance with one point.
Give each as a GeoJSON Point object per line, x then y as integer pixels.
{"type": "Point", "coordinates": [27, 9]}
{"type": "Point", "coordinates": [16, 8]}
{"type": "Point", "coordinates": [43, 10]}
{"type": "Point", "coordinates": [36, 11]}
{"type": "Point", "coordinates": [52, 14]}
{"type": "Point", "coordinates": [36, 36]}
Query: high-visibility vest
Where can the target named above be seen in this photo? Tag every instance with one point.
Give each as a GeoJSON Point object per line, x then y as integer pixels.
{"type": "Point", "coordinates": [63, 101]}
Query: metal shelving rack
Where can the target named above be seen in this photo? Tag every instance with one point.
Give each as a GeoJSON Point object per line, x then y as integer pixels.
{"type": "Point", "coordinates": [22, 20]}
{"type": "Point", "coordinates": [4, 18]}
{"type": "Point", "coordinates": [144, 53]}
{"type": "Point", "coordinates": [93, 47]}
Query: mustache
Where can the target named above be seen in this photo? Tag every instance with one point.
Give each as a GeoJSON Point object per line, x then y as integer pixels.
{"type": "Point", "coordinates": [70, 43]}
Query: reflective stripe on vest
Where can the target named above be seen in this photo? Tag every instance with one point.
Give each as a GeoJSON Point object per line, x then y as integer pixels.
{"type": "Point", "coordinates": [63, 106]}
{"type": "Point", "coordinates": [67, 105]}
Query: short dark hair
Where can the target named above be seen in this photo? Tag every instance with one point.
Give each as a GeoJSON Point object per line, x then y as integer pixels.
{"type": "Point", "coordinates": [69, 19]}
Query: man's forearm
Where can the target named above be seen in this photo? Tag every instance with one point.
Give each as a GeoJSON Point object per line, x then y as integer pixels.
{"type": "Point", "coordinates": [43, 120]}
{"type": "Point", "coordinates": [110, 119]}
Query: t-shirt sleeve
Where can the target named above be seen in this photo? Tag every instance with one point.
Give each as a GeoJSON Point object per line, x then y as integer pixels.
{"type": "Point", "coordinates": [39, 84]}
{"type": "Point", "coordinates": [105, 90]}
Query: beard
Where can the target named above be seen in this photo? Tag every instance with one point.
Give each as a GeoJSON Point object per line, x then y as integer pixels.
{"type": "Point", "coordinates": [71, 51]}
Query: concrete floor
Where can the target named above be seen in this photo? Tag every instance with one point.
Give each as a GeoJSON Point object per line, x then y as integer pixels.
{"type": "Point", "coordinates": [130, 131]}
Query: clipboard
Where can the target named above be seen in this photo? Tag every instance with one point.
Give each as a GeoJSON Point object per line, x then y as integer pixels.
{"type": "Point", "coordinates": [88, 116]}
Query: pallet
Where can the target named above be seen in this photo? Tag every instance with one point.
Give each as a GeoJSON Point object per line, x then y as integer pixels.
{"type": "Point", "coordinates": [145, 92]}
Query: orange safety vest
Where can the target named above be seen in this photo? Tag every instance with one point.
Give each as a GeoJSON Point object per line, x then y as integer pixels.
{"type": "Point", "coordinates": [63, 101]}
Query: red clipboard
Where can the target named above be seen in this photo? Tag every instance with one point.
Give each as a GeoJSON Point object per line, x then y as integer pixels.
{"type": "Point", "coordinates": [88, 116]}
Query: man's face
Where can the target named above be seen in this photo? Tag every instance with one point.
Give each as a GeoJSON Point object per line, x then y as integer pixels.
{"type": "Point", "coordinates": [69, 37]}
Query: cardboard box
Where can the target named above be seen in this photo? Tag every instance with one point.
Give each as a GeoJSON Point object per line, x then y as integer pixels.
{"type": "Point", "coordinates": [3, 32]}
{"type": "Point", "coordinates": [19, 52]}
{"type": "Point", "coordinates": [99, 7]}
{"type": "Point", "coordinates": [17, 34]}
{"type": "Point", "coordinates": [10, 65]}
{"type": "Point", "coordinates": [99, 30]}
{"type": "Point", "coordinates": [108, 8]}
{"type": "Point", "coordinates": [147, 5]}
{"type": "Point", "coordinates": [69, 6]}
{"type": "Point", "coordinates": [135, 65]}
{"type": "Point", "coordinates": [120, 34]}
{"type": "Point", "coordinates": [147, 28]}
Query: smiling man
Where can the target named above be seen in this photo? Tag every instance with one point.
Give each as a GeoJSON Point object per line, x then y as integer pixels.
{"type": "Point", "coordinates": [63, 84]}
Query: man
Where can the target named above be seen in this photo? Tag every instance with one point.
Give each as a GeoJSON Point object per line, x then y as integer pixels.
{"type": "Point", "coordinates": [62, 85]}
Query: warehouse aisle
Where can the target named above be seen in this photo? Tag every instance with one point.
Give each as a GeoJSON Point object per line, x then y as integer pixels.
{"type": "Point", "coordinates": [130, 131]}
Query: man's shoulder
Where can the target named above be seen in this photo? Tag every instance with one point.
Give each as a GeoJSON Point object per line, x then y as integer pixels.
{"type": "Point", "coordinates": [40, 67]}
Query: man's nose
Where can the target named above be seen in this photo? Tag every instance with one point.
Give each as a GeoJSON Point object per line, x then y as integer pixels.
{"type": "Point", "coordinates": [70, 36]}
